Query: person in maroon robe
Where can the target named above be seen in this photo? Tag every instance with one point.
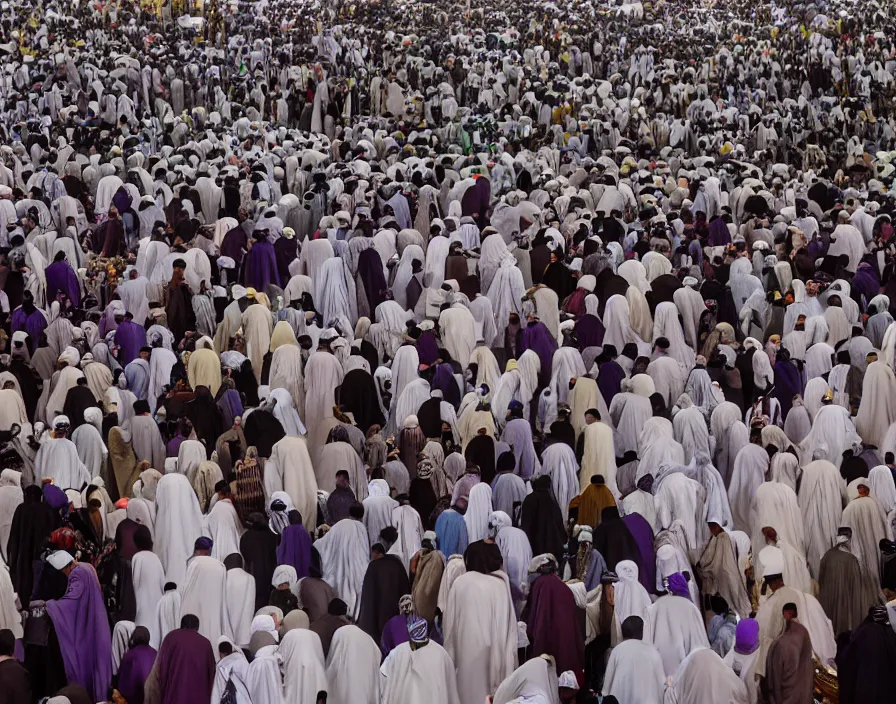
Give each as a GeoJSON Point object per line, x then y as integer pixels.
{"type": "Point", "coordinates": [179, 302]}
{"type": "Point", "coordinates": [552, 620]}
{"type": "Point", "coordinates": [184, 671]}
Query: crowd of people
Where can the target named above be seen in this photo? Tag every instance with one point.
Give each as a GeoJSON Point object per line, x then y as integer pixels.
{"type": "Point", "coordinates": [397, 352]}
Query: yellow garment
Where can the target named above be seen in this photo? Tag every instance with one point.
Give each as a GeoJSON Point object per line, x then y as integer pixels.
{"type": "Point", "coordinates": [592, 501]}
{"type": "Point", "coordinates": [283, 335]}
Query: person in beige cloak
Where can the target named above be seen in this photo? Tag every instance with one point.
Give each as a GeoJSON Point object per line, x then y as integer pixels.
{"type": "Point", "coordinates": [257, 328]}
{"type": "Point", "coordinates": [204, 367]}
{"type": "Point", "coordinates": [289, 469]}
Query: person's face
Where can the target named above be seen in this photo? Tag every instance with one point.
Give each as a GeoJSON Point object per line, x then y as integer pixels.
{"type": "Point", "coordinates": [341, 482]}
{"type": "Point", "coordinates": [715, 528]}
{"type": "Point", "coordinates": [771, 535]}
{"type": "Point", "coordinates": [789, 615]}
{"type": "Point", "coordinates": [863, 490]}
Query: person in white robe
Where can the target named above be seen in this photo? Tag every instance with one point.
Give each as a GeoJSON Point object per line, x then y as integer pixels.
{"type": "Point", "coordinates": [339, 455]}
{"type": "Point", "coordinates": [479, 508]}
{"type": "Point", "coordinates": [635, 671]}
{"type": "Point", "coordinates": [239, 600]}
{"type": "Point", "coordinates": [57, 459]}
{"type": "Point", "coordinates": [776, 506]}
{"type": "Point", "coordinates": [149, 587]}
{"type": "Point", "coordinates": [599, 456]}
{"type": "Point", "coordinates": [821, 503]}
{"type": "Point", "coordinates": [323, 375]}
{"type": "Point", "coordinates": [263, 678]}
{"type": "Point", "coordinates": [877, 410]}
{"type": "Point", "coordinates": [534, 681]}
{"type": "Point", "coordinates": [378, 507]}
{"type": "Point", "coordinates": [865, 516]}
{"type": "Point", "coordinates": [675, 627]}
{"type": "Point", "coordinates": [202, 595]}
{"type": "Point", "coordinates": [771, 621]}
{"type": "Point", "coordinates": [289, 469]}
{"type": "Point", "coordinates": [353, 665]}
{"type": "Point", "coordinates": [304, 666]}
{"type": "Point", "coordinates": [703, 677]}
{"type": "Point", "coordinates": [832, 433]}
{"type": "Point", "coordinates": [407, 522]}
{"type": "Point", "coordinates": [178, 525]}
{"type": "Point", "coordinates": [480, 633]}
{"type": "Point", "coordinates": [419, 670]}
{"type": "Point", "coordinates": [558, 461]}
{"type": "Point", "coordinates": [223, 526]}
{"type": "Point", "coordinates": [344, 555]}
{"type": "Point", "coordinates": [231, 669]}
{"type": "Point", "coordinates": [750, 467]}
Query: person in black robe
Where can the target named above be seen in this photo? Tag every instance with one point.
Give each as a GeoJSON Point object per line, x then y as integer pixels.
{"type": "Point", "coordinates": [286, 251]}
{"type": "Point", "coordinates": [258, 546]}
{"type": "Point", "coordinates": [483, 556]}
{"type": "Point", "coordinates": [370, 271]}
{"type": "Point", "coordinates": [32, 523]}
{"type": "Point", "coordinates": [341, 499]}
{"type": "Point", "coordinates": [866, 666]}
{"type": "Point", "coordinates": [263, 431]}
{"type": "Point", "coordinates": [481, 452]}
{"type": "Point", "coordinates": [358, 396]}
{"type": "Point", "coordinates": [28, 383]}
{"type": "Point", "coordinates": [662, 290]}
{"type": "Point", "coordinates": [558, 277]}
{"type": "Point", "coordinates": [385, 582]}
{"type": "Point", "coordinates": [542, 521]}
{"type": "Point", "coordinates": [179, 303]}
{"type": "Point", "coordinates": [78, 399]}
{"type": "Point", "coordinates": [561, 429]}
{"type": "Point", "coordinates": [430, 417]}
{"type": "Point", "coordinates": [206, 417]}
{"type": "Point", "coordinates": [614, 540]}
{"type": "Point", "coordinates": [608, 284]}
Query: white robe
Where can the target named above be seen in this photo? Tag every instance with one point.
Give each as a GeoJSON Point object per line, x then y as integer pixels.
{"type": "Point", "coordinates": [674, 625]}
{"type": "Point", "coordinates": [289, 469]}
{"type": "Point", "coordinates": [344, 555]}
{"type": "Point", "coordinates": [149, 587]}
{"type": "Point", "coordinates": [480, 633]}
{"type": "Point", "coordinates": [422, 675]}
{"type": "Point", "coordinates": [58, 459]}
{"type": "Point", "coordinates": [704, 677]}
{"type": "Point", "coordinates": [635, 673]}
{"type": "Point", "coordinates": [223, 526]}
{"type": "Point", "coordinates": [202, 595]}
{"type": "Point", "coordinates": [304, 667]}
{"type": "Point", "coordinates": [178, 525]}
{"type": "Point", "coordinates": [239, 605]}
{"type": "Point", "coordinates": [353, 665]}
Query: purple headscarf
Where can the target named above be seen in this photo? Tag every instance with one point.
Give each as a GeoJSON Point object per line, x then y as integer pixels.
{"type": "Point", "coordinates": [55, 497]}
{"type": "Point", "coordinates": [746, 636]}
{"type": "Point", "coordinates": [678, 585]}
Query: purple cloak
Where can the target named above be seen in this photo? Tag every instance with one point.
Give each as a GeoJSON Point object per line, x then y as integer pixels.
{"type": "Point", "coordinates": [609, 380]}
{"type": "Point", "coordinates": [231, 406]}
{"type": "Point", "coordinates": [130, 337]}
{"type": "Point", "coordinates": [295, 549]}
{"type": "Point", "coordinates": [536, 337]}
{"type": "Point", "coordinates": [444, 381]}
{"type": "Point", "coordinates": [395, 632]}
{"type": "Point", "coordinates": [61, 278]}
{"type": "Point", "coordinates": [82, 627]}
{"type": "Point", "coordinates": [186, 666]}
{"type": "Point", "coordinates": [135, 668]}
{"type": "Point", "coordinates": [719, 235]}
{"type": "Point", "coordinates": [589, 332]}
{"type": "Point", "coordinates": [33, 323]}
{"type": "Point", "coordinates": [643, 535]}
{"type": "Point", "coordinates": [788, 383]}
{"type": "Point", "coordinates": [427, 348]}
{"type": "Point", "coordinates": [234, 244]}
{"type": "Point", "coordinates": [551, 616]}
{"type": "Point", "coordinates": [261, 266]}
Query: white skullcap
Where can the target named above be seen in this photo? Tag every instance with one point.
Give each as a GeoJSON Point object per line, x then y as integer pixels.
{"type": "Point", "coordinates": [265, 623]}
{"type": "Point", "coordinates": [689, 281]}
{"type": "Point", "coordinates": [587, 282]}
{"type": "Point", "coordinates": [772, 560]}
{"type": "Point", "coordinates": [576, 264]}
{"type": "Point", "coordinates": [582, 533]}
{"type": "Point", "coordinates": [238, 292]}
{"type": "Point", "coordinates": [61, 420]}
{"type": "Point", "coordinates": [568, 680]}
{"type": "Point", "coordinates": [226, 263]}
{"type": "Point", "coordinates": [60, 559]}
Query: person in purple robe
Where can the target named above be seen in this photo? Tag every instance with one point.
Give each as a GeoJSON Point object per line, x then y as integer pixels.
{"type": "Point", "coordinates": [589, 332]}
{"type": "Point", "coordinates": [136, 664]}
{"type": "Point", "coordinates": [610, 374]}
{"type": "Point", "coordinates": [27, 317]}
{"type": "Point", "coordinates": [643, 535]}
{"type": "Point", "coordinates": [551, 615]}
{"type": "Point", "coordinates": [61, 278]}
{"type": "Point", "coordinates": [295, 546]}
{"type": "Point", "coordinates": [82, 627]}
{"type": "Point", "coordinates": [427, 347]}
{"type": "Point", "coordinates": [788, 381]}
{"type": "Point", "coordinates": [475, 201]}
{"type": "Point", "coordinates": [260, 268]}
{"type": "Point", "coordinates": [719, 235]}
{"type": "Point", "coordinates": [536, 336]}
{"type": "Point", "coordinates": [444, 381]}
{"type": "Point", "coordinates": [186, 665]}
{"type": "Point", "coordinates": [370, 271]}
{"type": "Point", "coordinates": [235, 244]}
{"type": "Point", "coordinates": [130, 338]}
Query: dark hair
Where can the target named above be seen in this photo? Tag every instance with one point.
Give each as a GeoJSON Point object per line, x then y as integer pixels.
{"type": "Point", "coordinates": [142, 538]}
{"type": "Point", "coordinates": [356, 510]}
{"type": "Point", "coordinates": [378, 549]}
{"type": "Point", "coordinates": [225, 648]}
{"type": "Point", "coordinates": [342, 473]}
{"type": "Point", "coordinates": [718, 604]}
{"type": "Point", "coordinates": [189, 622]}
{"type": "Point", "coordinates": [389, 534]}
{"type": "Point", "coordinates": [593, 412]}
{"type": "Point", "coordinates": [633, 628]}
{"type": "Point", "coordinates": [7, 643]}
{"type": "Point", "coordinates": [140, 636]}
{"type": "Point", "coordinates": [790, 606]}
